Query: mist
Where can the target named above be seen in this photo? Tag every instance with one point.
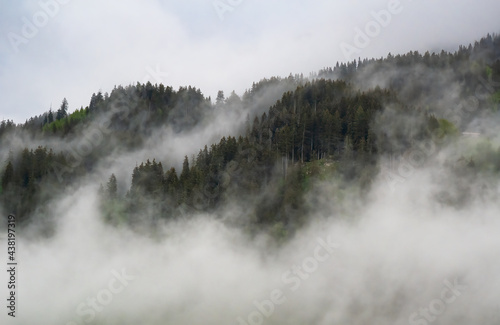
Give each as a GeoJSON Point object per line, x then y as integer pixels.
{"type": "Point", "coordinates": [369, 199]}
{"type": "Point", "coordinates": [390, 259]}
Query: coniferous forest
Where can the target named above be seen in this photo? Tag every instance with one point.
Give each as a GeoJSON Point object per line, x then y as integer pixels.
{"type": "Point", "coordinates": [330, 124]}
{"type": "Point", "coordinates": [361, 186]}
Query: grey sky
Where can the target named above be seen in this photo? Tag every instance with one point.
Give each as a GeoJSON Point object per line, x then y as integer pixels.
{"type": "Point", "coordinates": [93, 45]}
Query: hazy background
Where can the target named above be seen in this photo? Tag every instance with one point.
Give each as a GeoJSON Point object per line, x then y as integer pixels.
{"type": "Point", "coordinates": [92, 45]}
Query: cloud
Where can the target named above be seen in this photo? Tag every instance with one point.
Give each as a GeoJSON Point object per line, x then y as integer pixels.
{"type": "Point", "coordinates": [90, 45]}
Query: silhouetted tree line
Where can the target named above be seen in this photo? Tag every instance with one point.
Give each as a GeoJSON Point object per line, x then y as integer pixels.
{"type": "Point", "coordinates": [29, 180]}
{"type": "Point", "coordinates": [484, 52]}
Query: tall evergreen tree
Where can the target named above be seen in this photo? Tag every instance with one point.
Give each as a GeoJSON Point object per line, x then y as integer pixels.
{"type": "Point", "coordinates": [184, 178]}
{"type": "Point", "coordinates": [112, 187]}
{"type": "Point", "coordinates": [220, 98]}
{"type": "Point", "coordinates": [62, 112]}
{"type": "Point", "coordinates": [7, 176]}
{"type": "Point", "coordinates": [50, 116]}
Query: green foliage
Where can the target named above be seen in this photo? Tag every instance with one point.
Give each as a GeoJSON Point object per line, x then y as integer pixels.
{"type": "Point", "coordinates": [489, 72]}
{"type": "Point", "coordinates": [66, 123]}
{"type": "Point", "coordinates": [446, 129]}
{"type": "Point", "coordinates": [495, 99]}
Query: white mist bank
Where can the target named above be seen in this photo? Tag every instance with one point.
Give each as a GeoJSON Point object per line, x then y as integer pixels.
{"type": "Point", "coordinates": [391, 264]}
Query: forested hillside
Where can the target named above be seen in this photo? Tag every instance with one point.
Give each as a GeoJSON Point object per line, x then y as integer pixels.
{"type": "Point", "coordinates": [288, 134]}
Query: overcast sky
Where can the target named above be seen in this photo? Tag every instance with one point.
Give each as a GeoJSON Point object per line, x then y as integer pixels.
{"type": "Point", "coordinates": [52, 49]}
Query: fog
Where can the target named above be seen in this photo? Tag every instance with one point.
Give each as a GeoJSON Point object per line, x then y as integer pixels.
{"type": "Point", "coordinates": [85, 46]}
{"type": "Point", "coordinates": [386, 257]}
{"type": "Point", "coordinates": [418, 246]}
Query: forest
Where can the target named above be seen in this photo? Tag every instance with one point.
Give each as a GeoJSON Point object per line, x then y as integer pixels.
{"type": "Point", "coordinates": [336, 124]}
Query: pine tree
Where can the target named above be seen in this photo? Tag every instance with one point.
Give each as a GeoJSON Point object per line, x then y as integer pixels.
{"type": "Point", "coordinates": [336, 130]}
{"type": "Point", "coordinates": [50, 116]}
{"type": "Point", "coordinates": [171, 183]}
{"type": "Point", "coordinates": [360, 126]}
{"type": "Point", "coordinates": [111, 187]}
{"type": "Point", "coordinates": [220, 98]}
{"type": "Point", "coordinates": [184, 178]}
{"type": "Point", "coordinates": [63, 111]}
{"type": "Point", "coordinates": [7, 176]}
